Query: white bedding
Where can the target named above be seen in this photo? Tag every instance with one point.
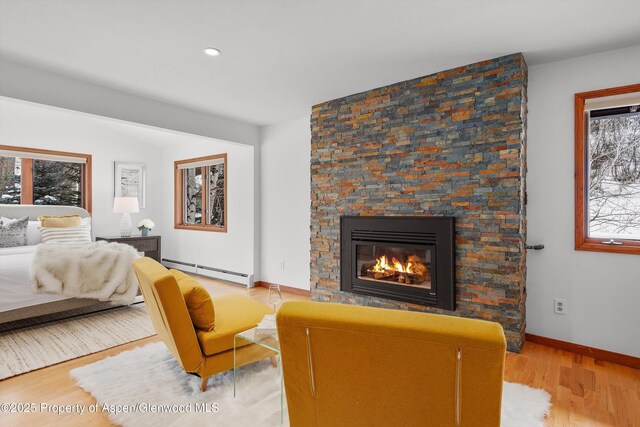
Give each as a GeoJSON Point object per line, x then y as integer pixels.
{"type": "Point", "coordinates": [16, 290]}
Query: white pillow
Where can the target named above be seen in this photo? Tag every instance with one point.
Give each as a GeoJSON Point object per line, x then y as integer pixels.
{"type": "Point", "coordinates": [80, 234]}
{"type": "Point", "coordinates": [33, 233]}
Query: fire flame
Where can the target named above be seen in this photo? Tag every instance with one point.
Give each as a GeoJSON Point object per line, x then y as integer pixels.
{"type": "Point", "coordinates": [382, 264]}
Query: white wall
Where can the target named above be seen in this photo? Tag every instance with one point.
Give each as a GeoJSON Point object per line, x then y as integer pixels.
{"type": "Point", "coordinates": [233, 250]}
{"type": "Point", "coordinates": [602, 290]}
{"type": "Point", "coordinates": [36, 126]}
{"type": "Point", "coordinates": [285, 203]}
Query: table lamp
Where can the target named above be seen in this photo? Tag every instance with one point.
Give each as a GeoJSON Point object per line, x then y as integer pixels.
{"type": "Point", "coordinates": [125, 206]}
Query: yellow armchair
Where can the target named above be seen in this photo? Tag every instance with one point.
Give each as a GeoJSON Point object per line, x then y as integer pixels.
{"type": "Point", "coordinates": [203, 353]}
{"type": "Point", "coordinates": [347, 365]}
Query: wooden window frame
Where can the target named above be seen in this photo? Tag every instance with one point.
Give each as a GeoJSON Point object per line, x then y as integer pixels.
{"type": "Point", "coordinates": [178, 185]}
{"type": "Point", "coordinates": [26, 177]}
{"type": "Point", "coordinates": [582, 241]}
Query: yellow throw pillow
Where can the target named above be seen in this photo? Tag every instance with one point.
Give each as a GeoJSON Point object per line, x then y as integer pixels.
{"type": "Point", "coordinates": [198, 301]}
{"type": "Point", "coordinates": [53, 221]}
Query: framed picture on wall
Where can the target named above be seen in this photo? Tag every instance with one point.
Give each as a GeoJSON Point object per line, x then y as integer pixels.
{"type": "Point", "coordinates": [129, 181]}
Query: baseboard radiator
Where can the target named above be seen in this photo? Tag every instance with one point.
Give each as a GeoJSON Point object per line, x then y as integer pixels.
{"type": "Point", "coordinates": [216, 273]}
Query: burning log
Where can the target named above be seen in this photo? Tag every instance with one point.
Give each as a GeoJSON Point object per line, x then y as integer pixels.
{"type": "Point", "coordinates": [382, 275]}
{"type": "Point", "coordinates": [408, 278]}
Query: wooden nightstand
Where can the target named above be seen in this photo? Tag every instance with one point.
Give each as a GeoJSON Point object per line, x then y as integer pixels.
{"type": "Point", "coordinates": [150, 245]}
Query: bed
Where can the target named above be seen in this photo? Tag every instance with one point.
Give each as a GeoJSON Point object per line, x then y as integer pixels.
{"type": "Point", "coordinates": [19, 305]}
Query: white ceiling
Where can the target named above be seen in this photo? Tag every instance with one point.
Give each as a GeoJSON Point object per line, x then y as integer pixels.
{"type": "Point", "coordinates": [281, 57]}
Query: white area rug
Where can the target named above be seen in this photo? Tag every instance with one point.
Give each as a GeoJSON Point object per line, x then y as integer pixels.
{"type": "Point", "coordinates": [35, 347]}
{"type": "Point", "coordinates": [149, 375]}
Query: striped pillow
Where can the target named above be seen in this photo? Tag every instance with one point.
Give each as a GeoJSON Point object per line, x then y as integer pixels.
{"type": "Point", "coordinates": [79, 234]}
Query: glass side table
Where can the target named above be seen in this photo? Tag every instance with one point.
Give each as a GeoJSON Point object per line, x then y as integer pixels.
{"type": "Point", "coordinates": [268, 340]}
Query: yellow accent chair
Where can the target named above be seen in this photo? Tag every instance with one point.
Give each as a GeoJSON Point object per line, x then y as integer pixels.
{"type": "Point", "coordinates": [347, 365]}
{"type": "Point", "coordinates": [200, 352]}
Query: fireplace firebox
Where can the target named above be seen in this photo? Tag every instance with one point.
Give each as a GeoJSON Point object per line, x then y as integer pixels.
{"type": "Point", "coordinates": [410, 259]}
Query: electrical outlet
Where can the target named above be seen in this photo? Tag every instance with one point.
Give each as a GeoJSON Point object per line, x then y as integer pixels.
{"type": "Point", "coordinates": [560, 306]}
{"type": "Point", "coordinates": [282, 265]}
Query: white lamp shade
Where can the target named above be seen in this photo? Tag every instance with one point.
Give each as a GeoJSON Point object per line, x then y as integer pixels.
{"type": "Point", "coordinates": [125, 205]}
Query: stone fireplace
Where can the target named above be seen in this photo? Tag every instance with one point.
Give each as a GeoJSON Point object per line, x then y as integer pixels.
{"type": "Point", "coordinates": [451, 144]}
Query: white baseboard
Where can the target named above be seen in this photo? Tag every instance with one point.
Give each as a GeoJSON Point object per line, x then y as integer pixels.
{"type": "Point", "coordinates": [246, 281]}
{"type": "Point", "coordinates": [187, 268]}
{"type": "Point", "coordinates": [239, 278]}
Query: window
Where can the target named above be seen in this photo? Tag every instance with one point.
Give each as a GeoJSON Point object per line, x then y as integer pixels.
{"type": "Point", "coordinates": [201, 193]}
{"type": "Point", "coordinates": [608, 170]}
{"type": "Point", "coordinates": [44, 177]}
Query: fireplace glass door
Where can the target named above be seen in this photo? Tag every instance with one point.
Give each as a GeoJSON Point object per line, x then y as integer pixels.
{"type": "Point", "coordinates": [395, 263]}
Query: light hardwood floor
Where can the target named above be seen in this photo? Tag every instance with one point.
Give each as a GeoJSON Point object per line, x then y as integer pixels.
{"type": "Point", "coordinates": [585, 392]}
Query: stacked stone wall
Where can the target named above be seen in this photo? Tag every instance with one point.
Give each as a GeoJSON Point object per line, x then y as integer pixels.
{"type": "Point", "coordinates": [451, 143]}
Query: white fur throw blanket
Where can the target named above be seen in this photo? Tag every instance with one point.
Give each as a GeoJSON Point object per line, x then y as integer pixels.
{"type": "Point", "coordinates": [99, 270]}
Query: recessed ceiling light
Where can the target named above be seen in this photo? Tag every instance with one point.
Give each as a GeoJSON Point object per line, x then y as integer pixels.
{"type": "Point", "coordinates": [212, 51]}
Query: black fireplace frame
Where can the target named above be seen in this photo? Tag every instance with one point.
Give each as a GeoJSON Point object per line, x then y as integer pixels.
{"type": "Point", "coordinates": [415, 231]}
